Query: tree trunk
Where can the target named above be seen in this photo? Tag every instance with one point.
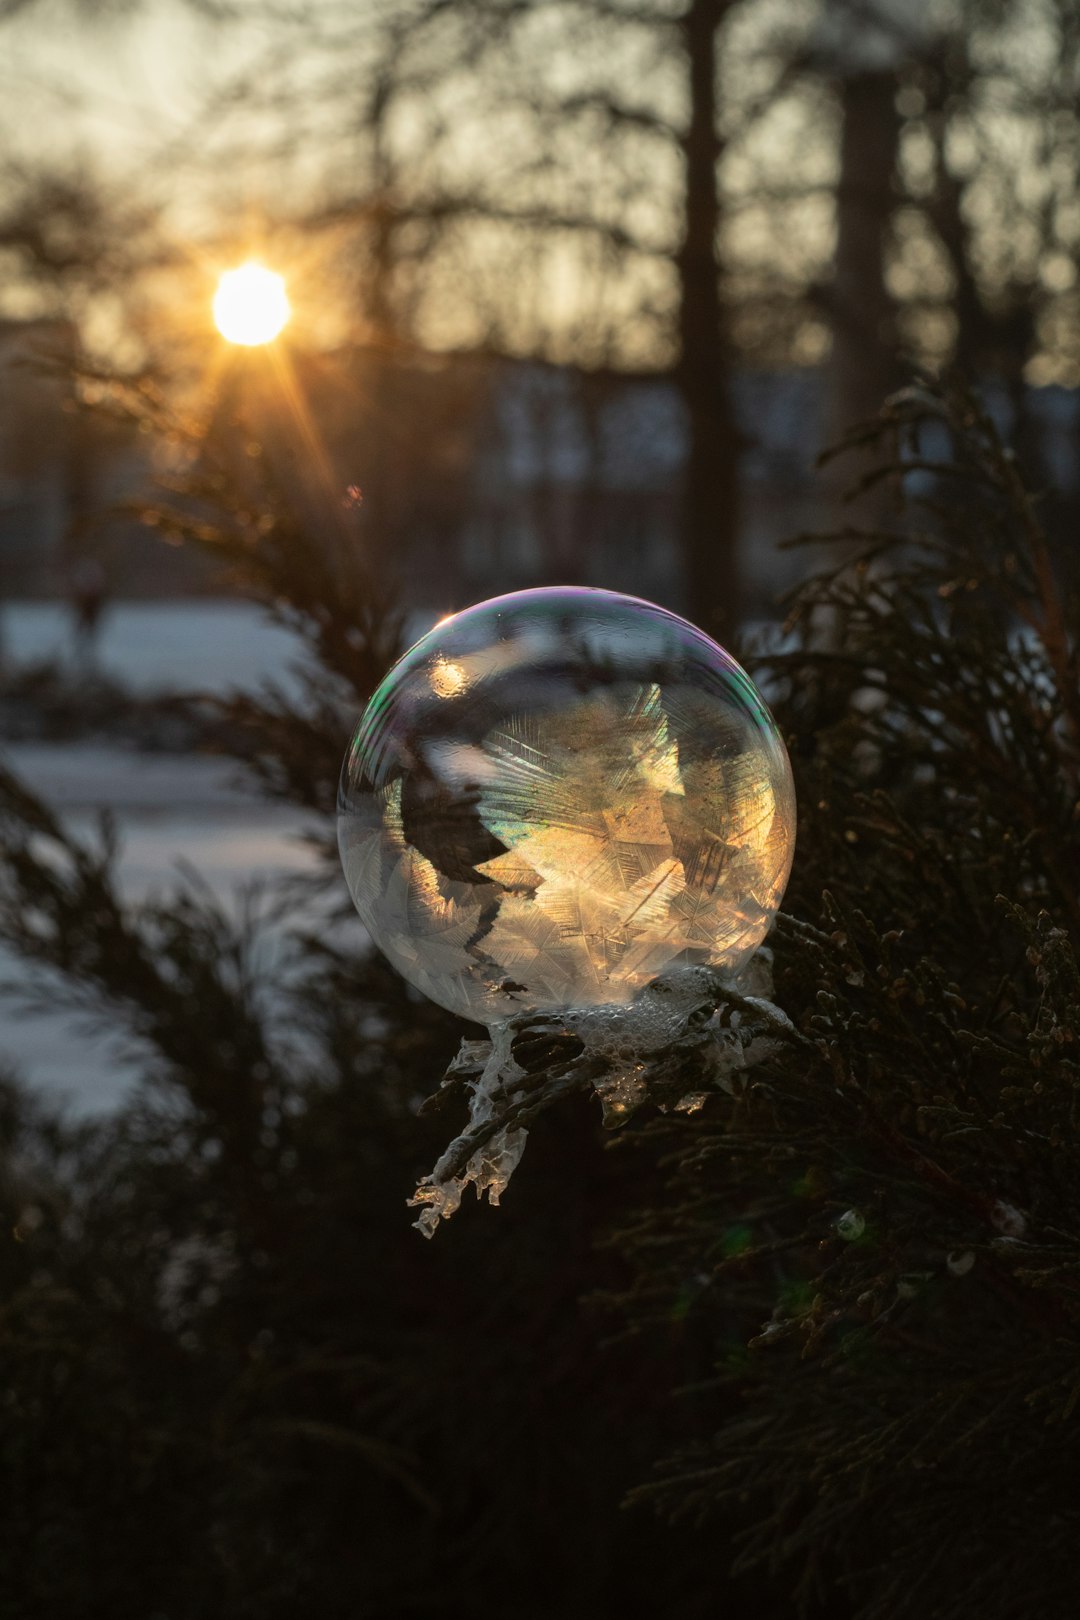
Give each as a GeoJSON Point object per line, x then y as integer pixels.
{"type": "Point", "coordinates": [864, 365]}
{"type": "Point", "coordinates": [710, 496]}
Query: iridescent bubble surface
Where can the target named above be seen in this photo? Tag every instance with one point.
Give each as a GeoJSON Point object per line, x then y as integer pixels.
{"type": "Point", "coordinates": [559, 794]}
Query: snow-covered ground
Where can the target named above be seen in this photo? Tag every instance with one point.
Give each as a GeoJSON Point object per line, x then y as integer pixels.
{"type": "Point", "coordinates": [169, 808]}
{"type": "Point", "coordinates": [158, 646]}
{"type": "Point", "coordinates": [183, 646]}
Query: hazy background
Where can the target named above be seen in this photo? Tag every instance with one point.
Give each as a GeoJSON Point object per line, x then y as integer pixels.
{"type": "Point", "coordinates": [580, 292]}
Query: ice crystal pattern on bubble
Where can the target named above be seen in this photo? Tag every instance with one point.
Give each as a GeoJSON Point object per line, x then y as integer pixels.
{"type": "Point", "coordinates": [555, 797]}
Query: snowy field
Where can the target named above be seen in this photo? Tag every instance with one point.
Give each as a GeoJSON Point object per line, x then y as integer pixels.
{"type": "Point", "coordinates": [158, 646]}
{"type": "Point", "coordinates": [168, 808]}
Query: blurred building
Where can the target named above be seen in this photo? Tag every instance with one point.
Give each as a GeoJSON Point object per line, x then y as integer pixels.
{"type": "Point", "coordinates": [481, 475]}
{"type": "Point", "coordinates": [578, 479]}
{"type": "Point", "coordinates": [571, 477]}
{"type": "Point", "coordinates": [470, 475]}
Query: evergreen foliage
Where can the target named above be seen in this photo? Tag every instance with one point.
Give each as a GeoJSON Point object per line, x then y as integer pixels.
{"type": "Point", "coordinates": [237, 1383]}
{"type": "Point", "coordinates": [883, 1229]}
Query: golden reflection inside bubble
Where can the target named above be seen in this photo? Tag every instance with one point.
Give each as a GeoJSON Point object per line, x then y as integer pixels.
{"type": "Point", "coordinates": [447, 679]}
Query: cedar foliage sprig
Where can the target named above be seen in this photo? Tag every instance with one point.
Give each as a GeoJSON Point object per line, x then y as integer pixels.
{"type": "Point", "coordinates": [883, 1231]}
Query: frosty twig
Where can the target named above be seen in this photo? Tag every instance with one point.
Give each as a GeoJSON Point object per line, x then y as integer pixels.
{"type": "Point", "coordinates": [688, 1030]}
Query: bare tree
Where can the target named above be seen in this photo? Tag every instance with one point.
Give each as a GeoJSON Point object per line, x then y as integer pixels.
{"type": "Point", "coordinates": [543, 180]}
{"type": "Point", "coordinates": [674, 187]}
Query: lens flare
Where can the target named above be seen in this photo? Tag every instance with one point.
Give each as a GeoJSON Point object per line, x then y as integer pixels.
{"type": "Point", "coordinates": [250, 305]}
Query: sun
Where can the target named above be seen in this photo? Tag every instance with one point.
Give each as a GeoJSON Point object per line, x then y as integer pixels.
{"type": "Point", "coordinates": [250, 305]}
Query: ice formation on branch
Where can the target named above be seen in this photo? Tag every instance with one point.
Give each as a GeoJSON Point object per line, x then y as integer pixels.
{"type": "Point", "coordinates": [569, 815]}
{"type": "Point", "coordinates": [688, 1026]}
{"type": "Point", "coordinates": [494, 1160]}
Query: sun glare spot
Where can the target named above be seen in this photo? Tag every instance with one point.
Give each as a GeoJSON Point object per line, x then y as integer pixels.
{"type": "Point", "coordinates": [447, 679]}
{"type": "Point", "coordinates": [250, 305]}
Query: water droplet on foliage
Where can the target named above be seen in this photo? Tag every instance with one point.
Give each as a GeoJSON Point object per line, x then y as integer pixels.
{"type": "Point", "coordinates": [1008, 1220]}
{"type": "Point", "coordinates": [850, 1225]}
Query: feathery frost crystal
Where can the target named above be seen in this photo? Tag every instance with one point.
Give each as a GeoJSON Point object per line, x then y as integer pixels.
{"type": "Point", "coordinates": [559, 794]}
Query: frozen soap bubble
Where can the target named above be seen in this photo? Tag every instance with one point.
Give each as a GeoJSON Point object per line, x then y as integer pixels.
{"type": "Point", "coordinates": [559, 794]}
